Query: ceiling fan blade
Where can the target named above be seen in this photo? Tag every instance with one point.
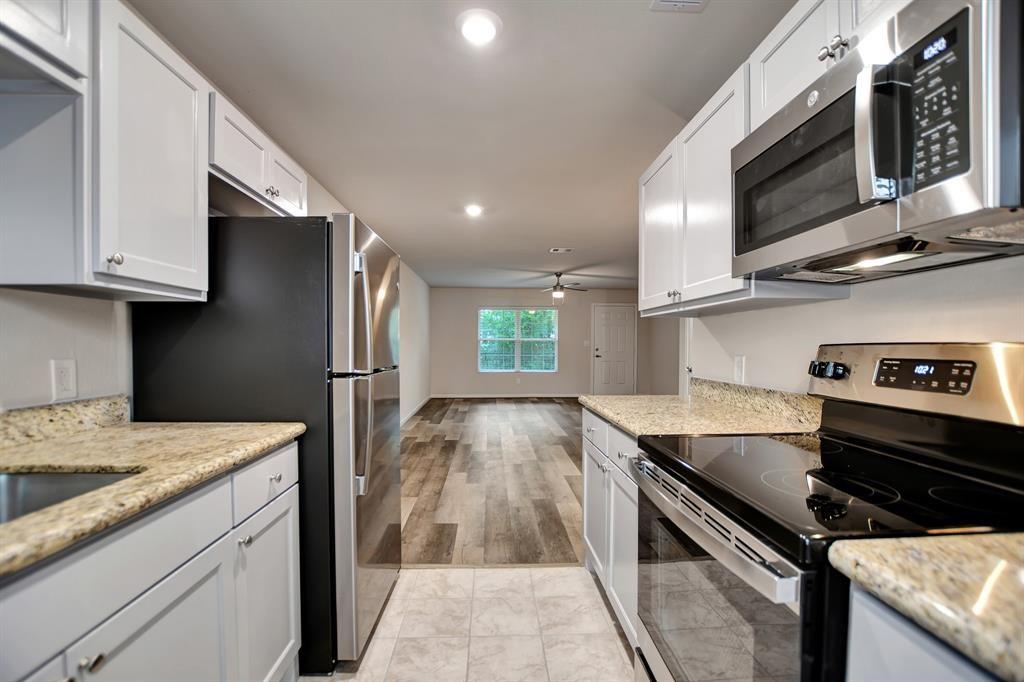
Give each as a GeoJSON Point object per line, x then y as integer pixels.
{"type": "Point", "coordinates": [572, 284]}
{"type": "Point", "coordinates": [575, 288]}
{"type": "Point", "coordinates": [548, 289]}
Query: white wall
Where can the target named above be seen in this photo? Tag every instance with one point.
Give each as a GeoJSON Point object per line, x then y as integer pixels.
{"type": "Point", "coordinates": [37, 327]}
{"type": "Point", "coordinates": [979, 302]}
{"type": "Point", "coordinates": [453, 342]}
{"type": "Point", "coordinates": [414, 335]}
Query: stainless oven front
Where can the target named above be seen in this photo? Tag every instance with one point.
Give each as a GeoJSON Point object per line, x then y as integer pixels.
{"type": "Point", "coordinates": [714, 601]}
{"type": "Point", "coordinates": [913, 139]}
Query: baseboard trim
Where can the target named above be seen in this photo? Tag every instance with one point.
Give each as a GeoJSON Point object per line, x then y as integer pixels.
{"type": "Point", "coordinates": [416, 409]}
{"type": "Point", "coordinates": [506, 395]}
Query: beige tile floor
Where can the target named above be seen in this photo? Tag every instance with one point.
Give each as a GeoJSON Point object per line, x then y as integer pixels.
{"type": "Point", "coordinates": [494, 625]}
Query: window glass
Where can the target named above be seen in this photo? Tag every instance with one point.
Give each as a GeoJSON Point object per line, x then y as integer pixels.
{"type": "Point", "coordinates": [517, 340]}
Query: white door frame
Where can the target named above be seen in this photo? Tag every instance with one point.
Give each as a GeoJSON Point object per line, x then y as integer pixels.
{"type": "Point", "coordinates": [636, 333]}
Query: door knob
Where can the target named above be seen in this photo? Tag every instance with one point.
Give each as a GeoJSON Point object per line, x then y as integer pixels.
{"type": "Point", "coordinates": [597, 356]}
{"type": "Point", "coordinates": [117, 258]}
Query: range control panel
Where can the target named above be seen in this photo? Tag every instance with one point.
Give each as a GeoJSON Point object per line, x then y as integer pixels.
{"type": "Point", "coordinates": [935, 376]}
{"type": "Point", "coordinates": [940, 98]}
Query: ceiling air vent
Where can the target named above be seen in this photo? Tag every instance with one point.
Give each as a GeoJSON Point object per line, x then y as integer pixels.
{"type": "Point", "coordinates": [678, 5]}
{"type": "Point", "coordinates": [560, 249]}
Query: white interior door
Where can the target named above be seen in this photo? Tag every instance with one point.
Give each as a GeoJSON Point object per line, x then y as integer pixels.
{"type": "Point", "coordinates": [614, 352]}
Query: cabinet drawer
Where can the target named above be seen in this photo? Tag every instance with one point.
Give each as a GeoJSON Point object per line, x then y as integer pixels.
{"type": "Point", "coordinates": [595, 430]}
{"type": "Point", "coordinates": [43, 612]}
{"type": "Point", "coordinates": [621, 446]}
{"type": "Point", "coordinates": [264, 480]}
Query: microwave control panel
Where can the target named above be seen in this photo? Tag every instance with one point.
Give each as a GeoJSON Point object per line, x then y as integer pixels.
{"type": "Point", "coordinates": [940, 98]}
{"type": "Point", "coordinates": [934, 376]}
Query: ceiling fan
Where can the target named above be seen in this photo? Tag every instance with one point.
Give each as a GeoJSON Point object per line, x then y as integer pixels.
{"type": "Point", "coordinates": [559, 289]}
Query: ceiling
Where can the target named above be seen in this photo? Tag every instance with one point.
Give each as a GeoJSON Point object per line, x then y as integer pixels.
{"type": "Point", "coordinates": [548, 127]}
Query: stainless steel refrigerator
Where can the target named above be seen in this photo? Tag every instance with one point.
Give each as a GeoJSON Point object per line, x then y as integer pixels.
{"type": "Point", "coordinates": [301, 324]}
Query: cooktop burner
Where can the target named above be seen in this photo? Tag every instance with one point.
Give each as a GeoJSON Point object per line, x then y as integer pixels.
{"type": "Point", "coordinates": [807, 489]}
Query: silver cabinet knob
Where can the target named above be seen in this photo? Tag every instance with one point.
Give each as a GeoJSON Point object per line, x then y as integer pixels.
{"type": "Point", "coordinates": [93, 664]}
{"type": "Point", "coordinates": [246, 541]}
{"type": "Point", "coordinates": [824, 53]}
{"type": "Point", "coordinates": [117, 258]}
{"type": "Point", "coordinates": [837, 42]}
{"type": "Point", "coordinates": [277, 192]}
{"type": "Point", "coordinates": [590, 429]}
{"type": "Point", "coordinates": [276, 478]}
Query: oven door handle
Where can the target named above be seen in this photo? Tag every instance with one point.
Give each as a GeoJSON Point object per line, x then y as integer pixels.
{"type": "Point", "coordinates": [776, 579]}
{"type": "Point", "coordinates": [870, 187]}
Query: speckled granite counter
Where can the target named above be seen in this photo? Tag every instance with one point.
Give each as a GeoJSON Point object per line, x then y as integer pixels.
{"type": "Point", "coordinates": [713, 407]}
{"type": "Point", "coordinates": [968, 590]}
{"type": "Point", "coordinates": [170, 459]}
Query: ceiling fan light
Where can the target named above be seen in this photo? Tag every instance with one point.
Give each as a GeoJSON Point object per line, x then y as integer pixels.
{"type": "Point", "coordinates": [557, 293]}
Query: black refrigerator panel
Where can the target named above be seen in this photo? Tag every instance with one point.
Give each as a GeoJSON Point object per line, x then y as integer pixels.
{"type": "Point", "coordinates": [257, 350]}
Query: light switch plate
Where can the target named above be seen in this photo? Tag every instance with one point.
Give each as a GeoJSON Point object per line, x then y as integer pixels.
{"type": "Point", "coordinates": [64, 379]}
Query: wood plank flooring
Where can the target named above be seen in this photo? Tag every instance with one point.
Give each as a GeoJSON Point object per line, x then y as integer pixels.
{"type": "Point", "coordinates": [492, 482]}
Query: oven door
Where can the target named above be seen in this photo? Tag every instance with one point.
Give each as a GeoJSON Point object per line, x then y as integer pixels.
{"type": "Point", "coordinates": [711, 607]}
{"type": "Point", "coordinates": [821, 175]}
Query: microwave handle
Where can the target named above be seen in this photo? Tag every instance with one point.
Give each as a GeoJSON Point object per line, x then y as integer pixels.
{"type": "Point", "coordinates": [870, 187]}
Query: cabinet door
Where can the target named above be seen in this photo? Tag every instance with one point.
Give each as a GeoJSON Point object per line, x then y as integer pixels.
{"type": "Point", "coordinates": [858, 17]}
{"type": "Point", "coordinates": [238, 147]}
{"type": "Point", "coordinates": [267, 588]}
{"type": "Point", "coordinates": [153, 148]}
{"type": "Point", "coordinates": [52, 671]}
{"type": "Point", "coordinates": [59, 28]}
{"type": "Point", "coordinates": [706, 188]}
{"type": "Point", "coordinates": [180, 629]}
{"type": "Point", "coordinates": [659, 225]}
{"type": "Point", "coordinates": [787, 60]}
{"type": "Point", "coordinates": [595, 508]}
{"type": "Point", "coordinates": [622, 564]}
{"type": "Point", "coordinates": [288, 181]}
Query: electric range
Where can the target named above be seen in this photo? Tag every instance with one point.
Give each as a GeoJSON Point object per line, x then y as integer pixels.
{"type": "Point", "coordinates": [734, 530]}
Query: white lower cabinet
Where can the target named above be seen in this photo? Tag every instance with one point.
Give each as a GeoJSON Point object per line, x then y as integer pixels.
{"type": "Point", "coordinates": [181, 629]}
{"type": "Point", "coordinates": [621, 585]}
{"type": "Point", "coordinates": [595, 508]}
{"type": "Point", "coordinates": [266, 572]}
{"type": "Point", "coordinates": [610, 518]}
{"type": "Point", "coordinates": [884, 646]}
{"type": "Point", "coordinates": [177, 595]}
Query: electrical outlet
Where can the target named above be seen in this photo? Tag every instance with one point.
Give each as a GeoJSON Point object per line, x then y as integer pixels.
{"type": "Point", "coordinates": [518, 380]}
{"type": "Point", "coordinates": [739, 369]}
{"type": "Point", "coordinates": [64, 379]}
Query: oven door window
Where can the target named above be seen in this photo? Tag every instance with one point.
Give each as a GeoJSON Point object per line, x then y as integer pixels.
{"type": "Point", "coordinates": [706, 623]}
{"type": "Point", "coordinates": [807, 179]}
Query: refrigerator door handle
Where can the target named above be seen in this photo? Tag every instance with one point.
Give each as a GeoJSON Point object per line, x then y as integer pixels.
{"type": "Point", "coordinates": [362, 270]}
{"type": "Point", "coordinates": [363, 479]}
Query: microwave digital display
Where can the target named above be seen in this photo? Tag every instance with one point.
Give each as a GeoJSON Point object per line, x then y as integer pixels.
{"type": "Point", "coordinates": [936, 47]}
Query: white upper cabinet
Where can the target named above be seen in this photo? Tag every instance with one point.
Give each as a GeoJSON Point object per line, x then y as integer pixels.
{"type": "Point", "coordinates": [153, 158]}
{"type": "Point", "coordinates": [288, 183]}
{"type": "Point", "coordinates": [57, 28]}
{"type": "Point", "coordinates": [659, 228]}
{"type": "Point", "coordinates": [238, 147]}
{"type": "Point", "coordinates": [787, 61]}
{"type": "Point", "coordinates": [706, 190]}
{"type": "Point", "coordinates": [857, 17]}
{"type": "Point", "coordinates": [240, 150]}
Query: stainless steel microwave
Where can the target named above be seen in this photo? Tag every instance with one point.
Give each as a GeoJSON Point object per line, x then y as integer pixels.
{"type": "Point", "coordinates": [903, 156]}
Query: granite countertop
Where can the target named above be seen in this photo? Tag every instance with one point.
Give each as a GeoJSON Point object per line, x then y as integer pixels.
{"type": "Point", "coordinates": [170, 459]}
{"type": "Point", "coordinates": [713, 408]}
{"type": "Point", "coordinates": [967, 590]}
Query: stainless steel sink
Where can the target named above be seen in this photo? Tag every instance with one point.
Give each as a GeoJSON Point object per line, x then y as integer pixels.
{"type": "Point", "coordinates": [22, 494]}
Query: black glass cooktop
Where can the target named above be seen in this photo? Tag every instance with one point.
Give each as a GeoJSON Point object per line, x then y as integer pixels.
{"type": "Point", "coordinates": [802, 491]}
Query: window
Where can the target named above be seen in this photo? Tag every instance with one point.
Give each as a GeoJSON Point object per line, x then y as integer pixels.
{"type": "Point", "coordinates": [517, 340]}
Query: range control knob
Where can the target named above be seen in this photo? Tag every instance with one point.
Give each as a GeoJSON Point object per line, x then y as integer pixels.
{"type": "Point", "coordinates": [828, 370]}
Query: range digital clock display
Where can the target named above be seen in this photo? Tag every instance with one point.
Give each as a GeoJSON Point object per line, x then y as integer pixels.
{"type": "Point", "coordinates": [934, 376]}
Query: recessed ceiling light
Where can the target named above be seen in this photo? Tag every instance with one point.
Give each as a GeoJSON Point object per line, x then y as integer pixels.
{"type": "Point", "coordinates": [479, 26]}
{"type": "Point", "coordinates": [474, 210]}
{"type": "Point", "coordinates": [560, 249]}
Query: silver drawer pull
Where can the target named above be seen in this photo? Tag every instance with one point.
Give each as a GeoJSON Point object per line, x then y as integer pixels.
{"type": "Point", "coordinates": [246, 541]}
{"type": "Point", "coordinates": [276, 478]}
